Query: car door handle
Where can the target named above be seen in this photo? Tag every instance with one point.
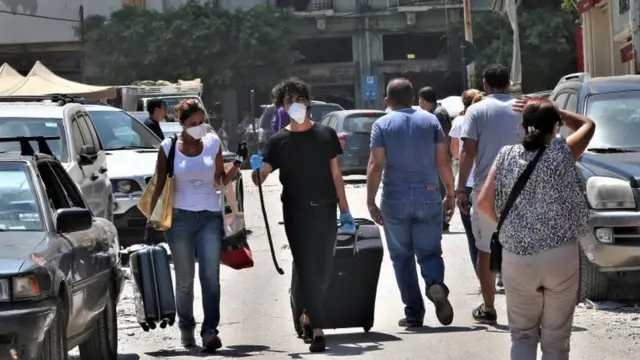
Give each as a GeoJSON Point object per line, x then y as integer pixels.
{"type": "Point", "coordinates": [102, 170]}
{"type": "Point", "coordinates": [94, 177]}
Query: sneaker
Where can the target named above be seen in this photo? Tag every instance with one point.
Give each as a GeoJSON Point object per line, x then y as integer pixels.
{"type": "Point", "coordinates": [444, 311]}
{"type": "Point", "coordinates": [408, 323]}
{"type": "Point", "coordinates": [187, 339]}
{"type": "Point", "coordinates": [483, 315]}
{"type": "Point", "coordinates": [211, 343]}
{"type": "Point", "coordinates": [500, 283]}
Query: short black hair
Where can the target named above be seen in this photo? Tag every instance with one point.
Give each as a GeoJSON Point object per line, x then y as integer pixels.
{"type": "Point", "coordinates": [292, 87]}
{"type": "Point", "coordinates": [497, 76]}
{"type": "Point", "coordinates": [154, 104]}
{"type": "Point", "coordinates": [428, 94]}
{"type": "Point", "coordinates": [400, 92]}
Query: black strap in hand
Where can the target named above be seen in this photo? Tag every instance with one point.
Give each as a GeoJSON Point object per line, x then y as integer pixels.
{"type": "Point", "coordinates": [171, 156]}
{"type": "Point", "coordinates": [518, 187]}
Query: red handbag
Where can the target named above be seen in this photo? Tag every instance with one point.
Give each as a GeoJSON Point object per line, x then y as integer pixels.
{"type": "Point", "coordinates": [236, 252]}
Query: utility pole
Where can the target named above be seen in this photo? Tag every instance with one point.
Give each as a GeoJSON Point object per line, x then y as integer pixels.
{"type": "Point", "coordinates": [634, 14]}
{"type": "Point", "coordinates": [83, 72]}
{"type": "Point", "coordinates": [468, 36]}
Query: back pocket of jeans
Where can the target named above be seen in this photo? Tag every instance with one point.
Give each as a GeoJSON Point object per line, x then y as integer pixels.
{"type": "Point", "coordinates": [391, 209]}
{"type": "Point", "coordinates": [431, 211]}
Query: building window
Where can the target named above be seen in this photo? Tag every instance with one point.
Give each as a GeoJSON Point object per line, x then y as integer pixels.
{"type": "Point", "coordinates": [138, 3]}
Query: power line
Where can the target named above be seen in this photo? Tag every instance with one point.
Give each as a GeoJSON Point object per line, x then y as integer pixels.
{"type": "Point", "coordinates": [39, 16]}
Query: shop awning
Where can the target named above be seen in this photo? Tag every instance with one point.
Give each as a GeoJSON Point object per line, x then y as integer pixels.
{"type": "Point", "coordinates": [41, 81]}
{"type": "Point", "coordinates": [9, 77]}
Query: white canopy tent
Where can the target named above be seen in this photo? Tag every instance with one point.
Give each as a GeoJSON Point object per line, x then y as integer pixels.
{"type": "Point", "coordinates": [42, 81]}
{"type": "Point", "coordinates": [9, 77]}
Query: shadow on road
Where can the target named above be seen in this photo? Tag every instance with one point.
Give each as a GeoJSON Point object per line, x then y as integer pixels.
{"type": "Point", "coordinates": [442, 329]}
{"type": "Point", "coordinates": [235, 351]}
{"type": "Point", "coordinates": [352, 344]}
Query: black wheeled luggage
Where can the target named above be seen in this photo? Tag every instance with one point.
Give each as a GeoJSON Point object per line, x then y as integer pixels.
{"type": "Point", "coordinates": [153, 288]}
{"type": "Point", "coordinates": [351, 295]}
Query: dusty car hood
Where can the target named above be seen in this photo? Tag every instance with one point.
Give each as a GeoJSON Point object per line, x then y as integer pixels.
{"type": "Point", "coordinates": [624, 166]}
{"type": "Point", "coordinates": [127, 163]}
{"type": "Point", "coordinates": [15, 248]}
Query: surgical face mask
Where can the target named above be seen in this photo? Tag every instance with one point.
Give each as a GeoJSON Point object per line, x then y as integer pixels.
{"type": "Point", "coordinates": [197, 132]}
{"type": "Point", "coordinates": [297, 112]}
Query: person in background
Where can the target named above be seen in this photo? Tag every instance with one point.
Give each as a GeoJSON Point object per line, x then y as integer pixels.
{"type": "Point", "coordinates": [197, 220]}
{"type": "Point", "coordinates": [409, 146]}
{"type": "Point", "coordinates": [280, 119]}
{"type": "Point", "coordinates": [479, 97]}
{"type": "Point", "coordinates": [456, 127]}
{"type": "Point", "coordinates": [541, 259]}
{"type": "Point", "coordinates": [157, 110]}
{"type": "Point", "coordinates": [488, 126]}
{"type": "Point", "coordinates": [306, 153]}
{"type": "Point", "coordinates": [217, 120]}
{"type": "Point", "coordinates": [428, 100]}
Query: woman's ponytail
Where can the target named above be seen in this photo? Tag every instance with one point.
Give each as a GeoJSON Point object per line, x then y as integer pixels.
{"type": "Point", "coordinates": [534, 139]}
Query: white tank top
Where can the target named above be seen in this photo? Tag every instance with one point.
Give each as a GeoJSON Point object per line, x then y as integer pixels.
{"type": "Point", "coordinates": [193, 176]}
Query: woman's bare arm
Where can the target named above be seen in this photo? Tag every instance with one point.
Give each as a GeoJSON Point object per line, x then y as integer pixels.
{"type": "Point", "coordinates": [223, 177]}
{"type": "Point", "coordinates": [583, 128]}
{"type": "Point", "coordinates": [454, 147]}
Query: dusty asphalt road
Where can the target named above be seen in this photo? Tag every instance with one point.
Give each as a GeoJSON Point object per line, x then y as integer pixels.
{"type": "Point", "coordinates": [256, 318]}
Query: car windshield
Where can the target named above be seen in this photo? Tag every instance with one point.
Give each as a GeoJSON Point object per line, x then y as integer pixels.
{"type": "Point", "coordinates": [118, 131]}
{"type": "Point", "coordinates": [360, 123]}
{"type": "Point", "coordinates": [19, 210]}
{"type": "Point", "coordinates": [617, 118]}
{"type": "Point", "coordinates": [12, 127]}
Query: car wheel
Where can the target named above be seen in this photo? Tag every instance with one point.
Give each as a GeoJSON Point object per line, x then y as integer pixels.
{"type": "Point", "coordinates": [103, 343]}
{"type": "Point", "coordinates": [54, 345]}
{"type": "Point", "coordinates": [594, 285]}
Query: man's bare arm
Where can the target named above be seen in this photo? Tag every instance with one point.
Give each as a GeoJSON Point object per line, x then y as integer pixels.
{"type": "Point", "coordinates": [469, 149]}
{"type": "Point", "coordinates": [377, 159]}
{"type": "Point", "coordinates": [264, 173]}
{"type": "Point", "coordinates": [444, 168]}
{"type": "Point", "coordinates": [338, 181]}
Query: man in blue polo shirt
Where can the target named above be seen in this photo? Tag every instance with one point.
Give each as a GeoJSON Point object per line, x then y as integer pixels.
{"type": "Point", "coordinates": [409, 146]}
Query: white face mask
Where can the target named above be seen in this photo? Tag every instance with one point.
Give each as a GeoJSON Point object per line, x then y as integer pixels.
{"type": "Point", "coordinates": [297, 112]}
{"type": "Point", "coordinates": [197, 132]}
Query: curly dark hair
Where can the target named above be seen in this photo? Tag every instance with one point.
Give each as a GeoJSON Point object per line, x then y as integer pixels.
{"type": "Point", "coordinates": [290, 89]}
{"type": "Point", "coordinates": [186, 108]}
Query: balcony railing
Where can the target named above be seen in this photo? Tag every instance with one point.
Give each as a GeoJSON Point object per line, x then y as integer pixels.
{"type": "Point", "coordinates": [428, 2]}
{"type": "Point", "coordinates": [305, 5]}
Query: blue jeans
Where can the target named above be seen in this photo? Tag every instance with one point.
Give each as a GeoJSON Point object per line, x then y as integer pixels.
{"type": "Point", "coordinates": [468, 229]}
{"type": "Point", "coordinates": [413, 230]}
{"type": "Point", "coordinates": [196, 232]}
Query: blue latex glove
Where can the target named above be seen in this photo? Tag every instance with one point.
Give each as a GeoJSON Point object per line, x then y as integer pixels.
{"type": "Point", "coordinates": [347, 224]}
{"type": "Point", "coordinates": [257, 162]}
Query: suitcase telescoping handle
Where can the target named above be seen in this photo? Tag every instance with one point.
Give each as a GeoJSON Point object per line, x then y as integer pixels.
{"type": "Point", "coordinates": [266, 225]}
{"type": "Point", "coordinates": [347, 239]}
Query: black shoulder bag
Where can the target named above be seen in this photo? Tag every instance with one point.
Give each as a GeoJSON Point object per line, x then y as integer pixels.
{"type": "Point", "coordinates": [495, 263]}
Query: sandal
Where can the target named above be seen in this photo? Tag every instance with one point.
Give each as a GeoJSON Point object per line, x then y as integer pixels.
{"type": "Point", "coordinates": [318, 344]}
{"type": "Point", "coordinates": [307, 331]}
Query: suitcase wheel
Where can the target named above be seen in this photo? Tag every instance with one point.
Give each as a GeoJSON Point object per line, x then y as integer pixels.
{"type": "Point", "coordinates": [366, 329]}
{"type": "Point", "coordinates": [172, 320]}
{"type": "Point", "coordinates": [152, 325]}
{"type": "Point", "coordinates": [144, 326]}
{"type": "Point", "coordinates": [163, 324]}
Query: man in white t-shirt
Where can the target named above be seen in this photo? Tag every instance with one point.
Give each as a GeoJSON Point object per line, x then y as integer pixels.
{"type": "Point", "coordinates": [456, 149]}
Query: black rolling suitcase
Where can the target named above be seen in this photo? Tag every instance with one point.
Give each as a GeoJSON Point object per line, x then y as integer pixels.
{"type": "Point", "coordinates": [351, 295]}
{"type": "Point", "coordinates": [153, 288]}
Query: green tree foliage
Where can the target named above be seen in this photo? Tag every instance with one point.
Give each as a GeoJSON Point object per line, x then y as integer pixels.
{"type": "Point", "coordinates": [547, 42]}
{"type": "Point", "coordinates": [224, 48]}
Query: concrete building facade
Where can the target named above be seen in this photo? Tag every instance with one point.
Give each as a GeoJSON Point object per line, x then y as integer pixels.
{"type": "Point", "coordinates": [351, 48]}
{"type": "Point", "coordinates": [607, 37]}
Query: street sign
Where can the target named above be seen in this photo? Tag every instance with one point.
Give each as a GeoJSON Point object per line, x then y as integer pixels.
{"type": "Point", "coordinates": [370, 87]}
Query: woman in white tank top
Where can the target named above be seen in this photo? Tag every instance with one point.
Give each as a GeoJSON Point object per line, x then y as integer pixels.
{"type": "Point", "coordinates": [197, 220]}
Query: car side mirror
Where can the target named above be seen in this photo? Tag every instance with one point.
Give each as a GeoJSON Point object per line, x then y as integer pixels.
{"type": "Point", "coordinates": [73, 219]}
{"type": "Point", "coordinates": [88, 155]}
